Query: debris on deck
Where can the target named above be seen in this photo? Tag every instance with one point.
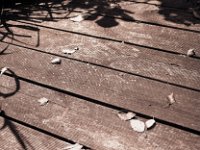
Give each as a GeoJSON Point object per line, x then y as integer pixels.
{"type": "Point", "coordinates": [3, 70]}
{"type": "Point", "coordinates": [171, 99]}
{"type": "Point", "coordinates": [126, 116]}
{"type": "Point", "coordinates": [43, 101]}
{"type": "Point", "coordinates": [56, 61]}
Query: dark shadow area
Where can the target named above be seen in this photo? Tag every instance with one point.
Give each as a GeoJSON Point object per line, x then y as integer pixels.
{"type": "Point", "coordinates": [21, 140]}
{"type": "Point", "coordinates": [104, 13]}
{"type": "Point", "coordinates": [185, 16]}
{"type": "Point", "coordinates": [17, 85]}
{"type": "Point", "coordinates": [51, 10]}
{"type": "Point", "coordinates": [25, 144]}
{"type": "Point", "coordinates": [54, 10]}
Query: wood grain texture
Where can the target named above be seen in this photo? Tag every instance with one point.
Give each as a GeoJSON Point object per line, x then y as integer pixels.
{"type": "Point", "coordinates": [167, 68]}
{"type": "Point", "coordinates": [14, 136]}
{"type": "Point", "coordinates": [110, 87]}
{"type": "Point", "coordinates": [90, 124]}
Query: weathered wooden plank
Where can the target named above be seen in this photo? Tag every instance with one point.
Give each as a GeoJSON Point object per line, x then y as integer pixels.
{"type": "Point", "coordinates": [90, 124]}
{"type": "Point", "coordinates": [16, 136]}
{"type": "Point", "coordinates": [168, 68]}
{"type": "Point", "coordinates": [107, 87]}
{"type": "Point", "coordinates": [152, 37]}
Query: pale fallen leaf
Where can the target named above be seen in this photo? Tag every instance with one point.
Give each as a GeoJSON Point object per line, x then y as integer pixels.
{"type": "Point", "coordinates": [43, 101]}
{"type": "Point", "coordinates": [56, 61]}
{"type": "Point", "coordinates": [190, 52]}
{"type": "Point", "coordinates": [79, 18]}
{"type": "Point", "coordinates": [3, 70]}
{"type": "Point", "coordinates": [76, 48]}
{"type": "Point", "coordinates": [137, 125]}
{"type": "Point", "coordinates": [76, 146]}
{"type": "Point", "coordinates": [149, 123]}
{"type": "Point", "coordinates": [171, 99]}
{"type": "Point", "coordinates": [126, 116]}
{"type": "Point", "coordinates": [68, 51]}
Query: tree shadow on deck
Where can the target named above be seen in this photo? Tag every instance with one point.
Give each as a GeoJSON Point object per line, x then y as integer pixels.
{"type": "Point", "coordinates": [20, 138]}
{"type": "Point", "coordinates": [38, 11]}
{"type": "Point", "coordinates": [180, 11]}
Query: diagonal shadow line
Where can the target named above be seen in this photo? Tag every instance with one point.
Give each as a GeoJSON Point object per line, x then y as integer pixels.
{"type": "Point", "coordinates": [3, 50]}
{"type": "Point", "coordinates": [111, 68]}
{"type": "Point", "coordinates": [104, 104]}
{"type": "Point", "coordinates": [56, 136]}
{"type": "Point", "coordinates": [109, 39]}
{"type": "Point", "coordinates": [23, 142]}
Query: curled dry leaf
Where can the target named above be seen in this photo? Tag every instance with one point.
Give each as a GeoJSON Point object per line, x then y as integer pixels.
{"type": "Point", "coordinates": [3, 70]}
{"type": "Point", "coordinates": [69, 51]}
{"type": "Point", "coordinates": [137, 125]}
{"type": "Point", "coordinates": [171, 99]}
{"type": "Point", "coordinates": [190, 52]}
{"type": "Point", "coordinates": [43, 101]}
{"type": "Point", "coordinates": [76, 146]}
{"type": "Point", "coordinates": [150, 123]}
{"type": "Point", "coordinates": [56, 61]}
{"type": "Point", "coordinates": [126, 116]}
{"type": "Point", "coordinates": [80, 18]}
{"type": "Point", "coordinates": [76, 48]}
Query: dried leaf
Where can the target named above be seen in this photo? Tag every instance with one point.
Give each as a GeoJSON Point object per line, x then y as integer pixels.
{"type": "Point", "coordinates": [56, 61]}
{"type": "Point", "coordinates": [76, 146]}
{"type": "Point", "coordinates": [69, 51]}
{"type": "Point", "coordinates": [190, 52]}
{"type": "Point", "coordinates": [149, 123]}
{"type": "Point", "coordinates": [126, 116]}
{"type": "Point", "coordinates": [43, 101]}
{"type": "Point", "coordinates": [76, 48]}
{"type": "Point", "coordinates": [171, 98]}
{"type": "Point", "coordinates": [79, 18]}
{"type": "Point", "coordinates": [137, 125]}
{"type": "Point", "coordinates": [3, 70]}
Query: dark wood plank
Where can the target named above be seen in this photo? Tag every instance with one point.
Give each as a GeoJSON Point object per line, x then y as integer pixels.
{"type": "Point", "coordinates": [90, 124]}
{"type": "Point", "coordinates": [16, 136]}
{"type": "Point", "coordinates": [107, 87]}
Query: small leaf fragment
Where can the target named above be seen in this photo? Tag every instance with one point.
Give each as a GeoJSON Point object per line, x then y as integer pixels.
{"type": "Point", "coordinates": [76, 146]}
{"type": "Point", "coordinates": [126, 116]}
{"type": "Point", "coordinates": [69, 51]}
{"type": "Point", "coordinates": [137, 125]}
{"type": "Point", "coordinates": [43, 101]}
{"type": "Point", "coordinates": [56, 61]}
{"type": "Point", "coordinates": [80, 18]}
{"type": "Point", "coordinates": [171, 99]}
{"type": "Point", "coordinates": [150, 123]}
{"type": "Point", "coordinates": [190, 52]}
{"type": "Point", "coordinates": [3, 70]}
{"type": "Point", "coordinates": [76, 48]}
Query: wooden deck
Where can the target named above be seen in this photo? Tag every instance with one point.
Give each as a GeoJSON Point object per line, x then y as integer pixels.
{"type": "Point", "coordinates": [132, 55]}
